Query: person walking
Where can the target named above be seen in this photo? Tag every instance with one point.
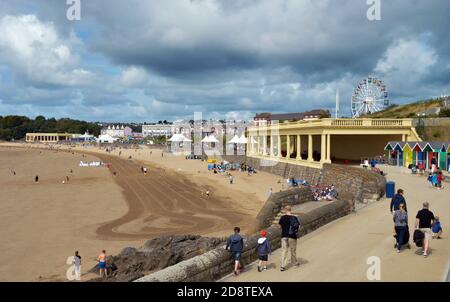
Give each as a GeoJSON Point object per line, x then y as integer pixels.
{"type": "Point", "coordinates": [263, 248]}
{"type": "Point", "coordinates": [401, 226]}
{"type": "Point", "coordinates": [235, 244]}
{"type": "Point", "coordinates": [102, 264]}
{"type": "Point", "coordinates": [397, 200]}
{"type": "Point", "coordinates": [270, 192]}
{"type": "Point", "coordinates": [77, 265]}
{"type": "Point", "coordinates": [424, 220]}
{"type": "Point", "coordinates": [289, 233]}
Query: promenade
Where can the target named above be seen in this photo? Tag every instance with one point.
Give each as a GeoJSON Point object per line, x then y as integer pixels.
{"type": "Point", "coordinates": [339, 250]}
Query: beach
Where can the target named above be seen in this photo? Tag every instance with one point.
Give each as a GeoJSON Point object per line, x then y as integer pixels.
{"type": "Point", "coordinates": [110, 207]}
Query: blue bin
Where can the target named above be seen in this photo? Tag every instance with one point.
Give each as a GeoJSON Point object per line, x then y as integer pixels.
{"type": "Point", "coordinates": [390, 189]}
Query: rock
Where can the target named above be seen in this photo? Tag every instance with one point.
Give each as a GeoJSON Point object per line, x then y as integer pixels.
{"type": "Point", "coordinates": [158, 253]}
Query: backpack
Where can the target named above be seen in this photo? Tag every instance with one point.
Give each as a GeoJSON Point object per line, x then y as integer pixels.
{"type": "Point", "coordinates": [293, 226]}
{"type": "Point", "coordinates": [418, 238]}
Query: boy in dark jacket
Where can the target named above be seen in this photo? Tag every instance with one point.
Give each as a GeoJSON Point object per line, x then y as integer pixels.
{"type": "Point", "coordinates": [397, 200]}
{"type": "Point", "coordinates": [235, 244]}
{"type": "Point", "coordinates": [264, 249]}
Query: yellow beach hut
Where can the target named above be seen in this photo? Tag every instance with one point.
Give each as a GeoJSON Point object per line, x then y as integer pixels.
{"type": "Point", "coordinates": [407, 155]}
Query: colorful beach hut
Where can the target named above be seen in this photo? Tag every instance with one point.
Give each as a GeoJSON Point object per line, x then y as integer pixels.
{"type": "Point", "coordinates": [420, 157]}
{"type": "Point", "coordinates": [399, 152]}
{"type": "Point", "coordinates": [448, 156]}
{"type": "Point", "coordinates": [407, 153]}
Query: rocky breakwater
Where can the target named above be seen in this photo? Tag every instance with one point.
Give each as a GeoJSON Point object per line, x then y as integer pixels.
{"type": "Point", "coordinates": [158, 253]}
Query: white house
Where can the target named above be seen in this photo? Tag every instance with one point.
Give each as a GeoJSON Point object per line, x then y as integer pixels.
{"type": "Point", "coordinates": [117, 131]}
{"type": "Point", "coordinates": [106, 138]}
{"type": "Point", "coordinates": [157, 130]}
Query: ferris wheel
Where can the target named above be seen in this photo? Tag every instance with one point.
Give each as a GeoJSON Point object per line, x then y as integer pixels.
{"type": "Point", "coordinates": [369, 96]}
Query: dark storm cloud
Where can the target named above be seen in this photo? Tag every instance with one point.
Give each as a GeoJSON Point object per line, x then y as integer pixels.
{"type": "Point", "coordinates": [249, 56]}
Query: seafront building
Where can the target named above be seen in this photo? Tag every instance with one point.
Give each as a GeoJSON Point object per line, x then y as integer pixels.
{"type": "Point", "coordinates": [47, 137]}
{"type": "Point", "coordinates": [263, 119]}
{"type": "Point", "coordinates": [315, 142]}
{"type": "Point", "coordinates": [153, 130]}
{"type": "Point", "coordinates": [118, 131]}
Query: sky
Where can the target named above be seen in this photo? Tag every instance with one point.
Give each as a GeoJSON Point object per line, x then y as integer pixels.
{"type": "Point", "coordinates": [144, 61]}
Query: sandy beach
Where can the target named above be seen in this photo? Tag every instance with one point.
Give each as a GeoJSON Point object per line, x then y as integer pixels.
{"type": "Point", "coordinates": [43, 223]}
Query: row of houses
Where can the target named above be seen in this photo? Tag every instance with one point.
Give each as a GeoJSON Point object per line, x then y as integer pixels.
{"type": "Point", "coordinates": [186, 127]}
{"type": "Point", "coordinates": [407, 153]}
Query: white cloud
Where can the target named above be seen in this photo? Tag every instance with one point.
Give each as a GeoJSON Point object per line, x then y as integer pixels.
{"type": "Point", "coordinates": [134, 77]}
{"type": "Point", "coordinates": [405, 63]}
{"type": "Point", "coordinates": [407, 57]}
{"type": "Point", "coordinates": [34, 50]}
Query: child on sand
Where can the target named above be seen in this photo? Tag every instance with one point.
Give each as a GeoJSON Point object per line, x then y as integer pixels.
{"type": "Point", "coordinates": [102, 264]}
{"type": "Point", "coordinates": [436, 228]}
{"type": "Point", "coordinates": [264, 249]}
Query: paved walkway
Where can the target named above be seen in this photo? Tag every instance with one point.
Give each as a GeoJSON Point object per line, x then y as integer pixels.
{"type": "Point", "coordinates": [339, 250]}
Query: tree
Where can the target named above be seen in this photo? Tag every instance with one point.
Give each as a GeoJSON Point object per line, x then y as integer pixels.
{"type": "Point", "coordinates": [15, 127]}
{"type": "Point", "coordinates": [444, 113]}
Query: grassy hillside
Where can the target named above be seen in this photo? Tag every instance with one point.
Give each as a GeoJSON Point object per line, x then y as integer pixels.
{"type": "Point", "coordinates": [436, 129]}
{"type": "Point", "coordinates": [406, 111]}
{"type": "Point", "coordinates": [429, 128]}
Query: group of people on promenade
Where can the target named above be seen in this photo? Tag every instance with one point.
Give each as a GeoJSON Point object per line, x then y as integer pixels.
{"type": "Point", "coordinates": [289, 225]}
{"type": "Point", "coordinates": [435, 174]}
{"type": "Point", "coordinates": [324, 192]}
{"type": "Point", "coordinates": [427, 226]}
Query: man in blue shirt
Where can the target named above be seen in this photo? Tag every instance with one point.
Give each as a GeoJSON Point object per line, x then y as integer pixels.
{"type": "Point", "coordinates": [397, 200]}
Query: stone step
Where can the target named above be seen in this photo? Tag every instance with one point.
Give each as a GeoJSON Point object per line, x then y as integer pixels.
{"type": "Point", "coordinates": [371, 196]}
{"type": "Point", "coordinates": [369, 200]}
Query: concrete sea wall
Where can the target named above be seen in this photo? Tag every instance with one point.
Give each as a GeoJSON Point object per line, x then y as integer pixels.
{"type": "Point", "coordinates": [215, 264]}
{"type": "Point", "coordinates": [353, 185]}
